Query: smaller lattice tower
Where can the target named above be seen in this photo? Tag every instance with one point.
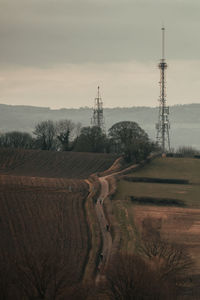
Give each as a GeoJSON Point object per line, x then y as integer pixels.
{"type": "Point", "coordinates": [163, 125]}
{"type": "Point", "coordinates": [98, 118]}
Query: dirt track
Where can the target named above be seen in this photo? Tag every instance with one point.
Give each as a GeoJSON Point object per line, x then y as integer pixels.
{"type": "Point", "coordinates": [106, 236]}
{"type": "Point", "coordinates": [103, 222]}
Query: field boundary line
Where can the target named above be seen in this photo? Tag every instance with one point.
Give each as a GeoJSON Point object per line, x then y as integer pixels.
{"type": "Point", "coordinates": [95, 235]}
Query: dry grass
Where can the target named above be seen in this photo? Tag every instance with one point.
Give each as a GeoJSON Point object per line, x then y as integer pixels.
{"type": "Point", "coordinates": [178, 225]}
{"type": "Point", "coordinates": [182, 168]}
{"type": "Point", "coordinates": [175, 168]}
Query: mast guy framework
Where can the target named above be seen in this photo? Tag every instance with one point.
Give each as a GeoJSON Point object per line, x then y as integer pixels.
{"type": "Point", "coordinates": [163, 125]}
{"type": "Point", "coordinates": [98, 118]}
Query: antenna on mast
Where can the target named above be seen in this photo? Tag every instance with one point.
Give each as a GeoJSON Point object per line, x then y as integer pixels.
{"type": "Point", "coordinates": [163, 43]}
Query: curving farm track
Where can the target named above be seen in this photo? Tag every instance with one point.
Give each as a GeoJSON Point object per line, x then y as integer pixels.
{"type": "Point", "coordinates": [106, 236]}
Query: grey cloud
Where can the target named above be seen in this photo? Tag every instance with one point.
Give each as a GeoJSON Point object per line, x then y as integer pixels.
{"type": "Point", "coordinates": [50, 32]}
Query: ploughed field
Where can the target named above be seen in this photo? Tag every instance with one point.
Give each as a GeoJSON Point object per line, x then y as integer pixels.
{"type": "Point", "coordinates": [167, 192]}
{"type": "Point", "coordinates": [36, 215]}
{"type": "Point", "coordinates": [42, 210]}
{"type": "Point", "coordinates": [43, 221]}
{"type": "Point", "coordinates": [52, 164]}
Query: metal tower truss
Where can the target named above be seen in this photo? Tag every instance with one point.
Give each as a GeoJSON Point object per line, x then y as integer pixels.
{"type": "Point", "coordinates": [98, 118]}
{"type": "Point", "coordinates": [163, 124]}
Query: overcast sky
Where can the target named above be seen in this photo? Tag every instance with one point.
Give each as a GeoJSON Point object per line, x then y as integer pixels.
{"type": "Point", "coordinates": [56, 52]}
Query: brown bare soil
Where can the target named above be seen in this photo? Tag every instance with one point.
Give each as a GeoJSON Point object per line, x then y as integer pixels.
{"type": "Point", "coordinates": [37, 214]}
{"type": "Point", "coordinates": [39, 163]}
{"type": "Point", "coordinates": [43, 208]}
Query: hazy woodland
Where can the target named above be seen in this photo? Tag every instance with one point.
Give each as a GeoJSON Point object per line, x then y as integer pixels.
{"type": "Point", "coordinates": [184, 119]}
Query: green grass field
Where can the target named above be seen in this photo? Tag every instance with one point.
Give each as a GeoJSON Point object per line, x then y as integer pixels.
{"type": "Point", "coordinates": [174, 168]}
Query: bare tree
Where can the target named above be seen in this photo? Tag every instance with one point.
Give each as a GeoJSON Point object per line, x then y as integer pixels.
{"type": "Point", "coordinates": [130, 277]}
{"type": "Point", "coordinates": [45, 135]}
{"type": "Point", "coordinates": [43, 275]}
{"type": "Point", "coordinates": [65, 132]}
{"type": "Point", "coordinates": [158, 271]}
{"type": "Point", "coordinates": [171, 261]}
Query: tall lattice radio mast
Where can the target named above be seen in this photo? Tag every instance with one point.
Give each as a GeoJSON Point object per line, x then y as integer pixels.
{"type": "Point", "coordinates": [163, 119]}
{"type": "Point", "coordinates": [98, 118]}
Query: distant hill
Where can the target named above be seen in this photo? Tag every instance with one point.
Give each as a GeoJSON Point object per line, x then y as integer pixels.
{"type": "Point", "coordinates": [184, 119]}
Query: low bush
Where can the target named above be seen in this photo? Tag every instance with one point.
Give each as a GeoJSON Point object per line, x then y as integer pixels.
{"type": "Point", "coordinates": [157, 201]}
{"type": "Point", "coordinates": [156, 180]}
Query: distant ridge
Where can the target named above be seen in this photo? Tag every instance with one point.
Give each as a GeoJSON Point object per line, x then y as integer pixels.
{"type": "Point", "coordinates": [185, 119]}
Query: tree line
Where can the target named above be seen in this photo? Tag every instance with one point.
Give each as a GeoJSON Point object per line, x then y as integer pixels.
{"type": "Point", "coordinates": [126, 138]}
